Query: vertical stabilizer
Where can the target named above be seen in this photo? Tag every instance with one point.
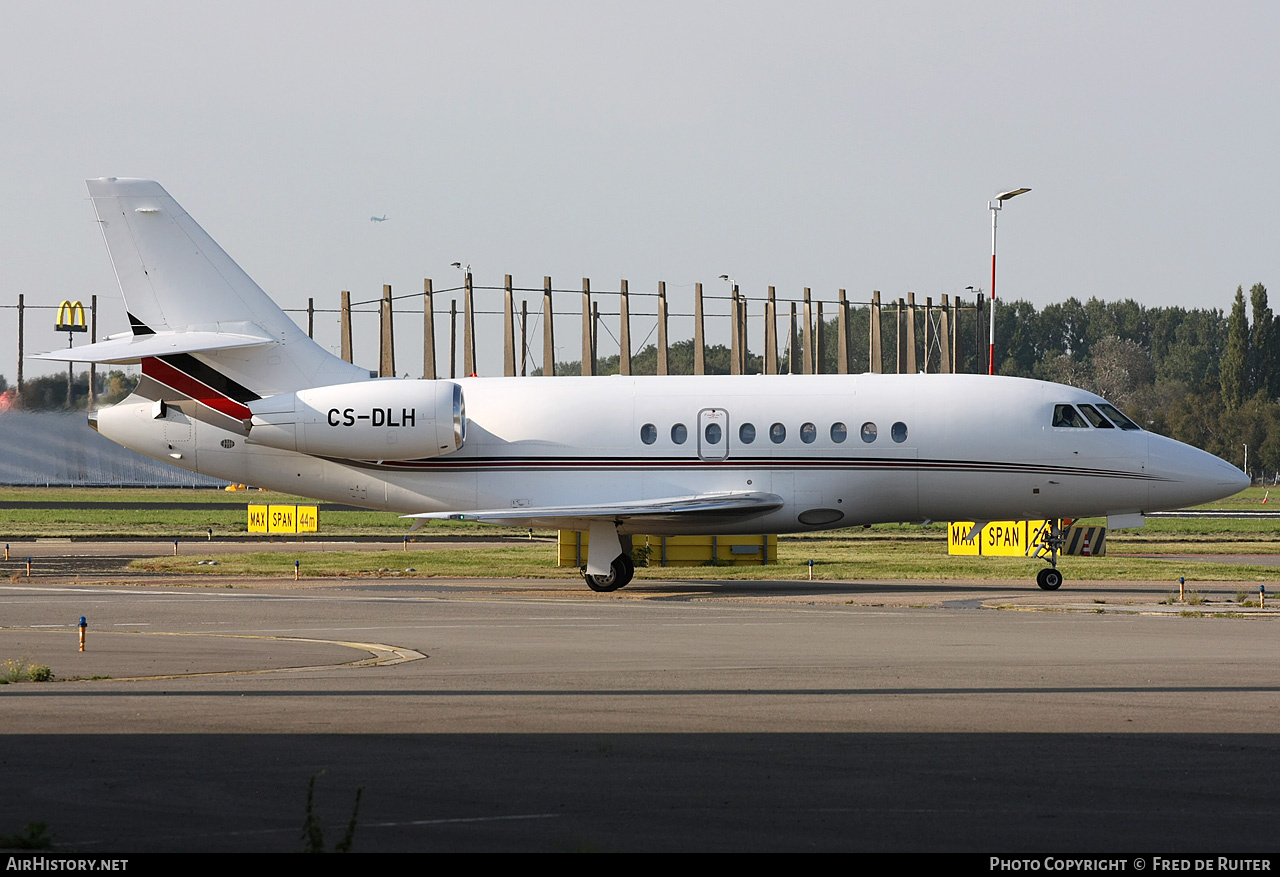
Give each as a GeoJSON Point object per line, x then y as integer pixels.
{"type": "Point", "coordinates": [175, 278]}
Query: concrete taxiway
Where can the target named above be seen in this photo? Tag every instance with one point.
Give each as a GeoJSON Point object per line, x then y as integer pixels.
{"type": "Point", "coordinates": [521, 715]}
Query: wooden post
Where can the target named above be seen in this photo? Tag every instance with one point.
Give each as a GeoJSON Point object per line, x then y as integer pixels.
{"type": "Point", "coordinates": [588, 349]}
{"type": "Point", "coordinates": [874, 355]}
{"type": "Point", "coordinates": [928, 330]}
{"type": "Point", "coordinates": [771, 334]}
{"type": "Point", "coordinates": [524, 336]}
{"type": "Point", "coordinates": [311, 317]}
{"type": "Point", "coordinates": [699, 336]}
{"type": "Point", "coordinates": [548, 333]}
{"type": "Point", "coordinates": [344, 326]}
{"type": "Point", "coordinates": [624, 331]}
{"type": "Point", "coordinates": [743, 349]}
{"type": "Point", "coordinates": [979, 325]}
{"type": "Point", "coordinates": [469, 327]}
{"type": "Point", "coordinates": [453, 339]}
{"type": "Point", "coordinates": [386, 336]}
{"type": "Point", "coordinates": [21, 310]}
{"type": "Point", "coordinates": [957, 357]}
{"type": "Point", "coordinates": [662, 327]}
{"type": "Point", "coordinates": [735, 343]}
{"type": "Point", "coordinates": [508, 329]}
{"type": "Point", "coordinates": [428, 332]}
{"type": "Point", "coordinates": [911, 333]}
{"type": "Point", "coordinates": [898, 358]}
{"type": "Point", "coordinates": [944, 337]}
{"type": "Point", "coordinates": [819, 343]}
{"type": "Point", "coordinates": [807, 363]}
{"type": "Point", "coordinates": [793, 356]}
{"type": "Point", "coordinates": [93, 337]}
{"type": "Point", "coordinates": [842, 344]}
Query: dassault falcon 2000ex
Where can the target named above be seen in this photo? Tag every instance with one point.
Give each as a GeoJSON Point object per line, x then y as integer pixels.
{"type": "Point", "coordinates": [231, 387]}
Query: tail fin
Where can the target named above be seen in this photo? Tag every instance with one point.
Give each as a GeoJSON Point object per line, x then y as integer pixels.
{"type": "Point", "coordinates": [177, 282]}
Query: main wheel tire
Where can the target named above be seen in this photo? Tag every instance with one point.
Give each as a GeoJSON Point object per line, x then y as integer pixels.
{"type": "Point", "coordinates": [620, 573]}
{"type": "Point", "coordinates": [1049, 579]}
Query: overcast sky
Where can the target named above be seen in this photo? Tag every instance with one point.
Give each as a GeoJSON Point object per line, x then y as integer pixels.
{"type": "Point", "coordinates": [829, 145]}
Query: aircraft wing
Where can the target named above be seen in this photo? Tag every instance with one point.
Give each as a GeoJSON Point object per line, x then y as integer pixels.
{"type": "Point", "coordinates": [132, 348]}
{"type": "Point", "coordinates": [728, 505]}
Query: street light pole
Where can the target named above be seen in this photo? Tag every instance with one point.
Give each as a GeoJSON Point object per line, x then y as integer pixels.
{"type": "Point", "coordinates": [995, 207]}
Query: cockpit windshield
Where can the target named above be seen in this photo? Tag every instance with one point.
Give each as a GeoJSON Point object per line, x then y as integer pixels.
{"type": "Point", "coordinates": [1119, 419]}
{"type": "Point", "coordinates": [1067, 416]}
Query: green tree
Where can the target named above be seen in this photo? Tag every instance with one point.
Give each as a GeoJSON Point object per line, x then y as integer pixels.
{"type": "Point", "coordinates": [1262, 359]}
{"type": "Point", "coordinates": [1235, 361]}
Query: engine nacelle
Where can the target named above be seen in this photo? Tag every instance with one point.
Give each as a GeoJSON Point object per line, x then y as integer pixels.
{"type": "Point", "coordinates": [387, 419]}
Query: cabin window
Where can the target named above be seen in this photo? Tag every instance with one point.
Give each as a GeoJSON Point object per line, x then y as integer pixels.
{"type": "Point", "coordinates": [747, 433]}
{"type": "Point", "coordinates": [712, 433]}
{"type": "Point", "coordinates": [648, 433]}
{"type": "Point", "coordinates": [808, 432]}
{"type": "Point", "coordinates": [777, 433]}
{"type": "Point", "coordinates": [899, 432]}
{"type": "Point", "coordinates": [679, 433]}
{"type": "Point", "coordinates": [1095, 418]}
{"type": "Point", "coordinates": [839, 432]}
{"type": "Point", "coordinates": [1065, 415]}
{"type": "Point", "coordinates": [868, 432]}
{"type": "Point", "coordinates": [1116, 417]}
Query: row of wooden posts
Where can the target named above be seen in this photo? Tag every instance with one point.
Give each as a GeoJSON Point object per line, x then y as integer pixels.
{"type": "Point", "coordinates": [940, 334]}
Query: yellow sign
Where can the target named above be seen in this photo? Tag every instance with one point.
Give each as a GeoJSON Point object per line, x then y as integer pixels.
{"type": "Point", "coordinates": [960, 542]}
{"type": "Point", "coordinates": [996, 539]}
{"type": "Point", "coordinates": [71, 317]}
{"type": "Point", "coordinates": [282, 519]}
{"type": "Point", "coordinates": [308, 519]}
{"type": "Point", "coordinates": [257, 519]}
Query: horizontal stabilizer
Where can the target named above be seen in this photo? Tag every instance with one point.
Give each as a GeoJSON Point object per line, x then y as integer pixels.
{"type": "Point", "coordinates": [727, 505]}
{"type": "Point", "coordinates": [132, 348]}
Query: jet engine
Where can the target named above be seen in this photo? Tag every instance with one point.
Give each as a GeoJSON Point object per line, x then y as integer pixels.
{"type": "Point", "coordinates": [387, 419]}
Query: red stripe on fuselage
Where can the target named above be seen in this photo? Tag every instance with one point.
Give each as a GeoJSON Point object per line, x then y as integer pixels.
{"type": "Point", "coordinates": [161, 371]}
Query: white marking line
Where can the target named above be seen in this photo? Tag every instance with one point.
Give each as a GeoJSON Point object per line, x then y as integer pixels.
{"type": "Point", "coordinates": [462, 819]}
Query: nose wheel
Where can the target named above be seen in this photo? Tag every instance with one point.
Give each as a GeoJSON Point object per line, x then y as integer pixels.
{"type": "Point", "coordinates": [1049, 579]}
{"type": "Point", "coordinates": [1048, 542]}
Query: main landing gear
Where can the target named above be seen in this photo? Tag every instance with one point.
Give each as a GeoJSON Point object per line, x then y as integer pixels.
{"type": "Point", "coordinates": [621, 571]}
{"type": "Point", "coordinates": [603, 574]}
{"type": "Point", "coordinates": [1048, 542]}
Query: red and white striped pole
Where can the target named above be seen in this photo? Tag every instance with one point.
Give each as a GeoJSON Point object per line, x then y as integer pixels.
{"type": "Point", "coordinates": [994, 207]}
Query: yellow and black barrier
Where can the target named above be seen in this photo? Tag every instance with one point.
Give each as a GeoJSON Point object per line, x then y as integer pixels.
{"type": "Point", "coordinates": [680, 550]}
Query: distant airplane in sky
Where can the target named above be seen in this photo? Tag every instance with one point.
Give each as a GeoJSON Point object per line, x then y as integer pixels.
{"type": "Point", "coordinates": [382, 218]}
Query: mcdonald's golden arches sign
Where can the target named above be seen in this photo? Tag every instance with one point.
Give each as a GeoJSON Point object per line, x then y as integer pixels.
{"type": "Point", "coordinates": [71, 317]}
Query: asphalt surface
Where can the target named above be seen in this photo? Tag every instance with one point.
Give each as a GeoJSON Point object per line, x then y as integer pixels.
{"type": "Point", "coordinates": [498, 715]}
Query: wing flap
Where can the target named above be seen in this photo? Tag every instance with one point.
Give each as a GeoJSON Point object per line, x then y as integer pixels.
{"type": "Point", "coordinates": [728, 505]}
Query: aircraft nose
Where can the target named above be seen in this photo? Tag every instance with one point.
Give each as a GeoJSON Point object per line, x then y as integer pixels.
{"type": "Point", "coordinates": [1187, 476]}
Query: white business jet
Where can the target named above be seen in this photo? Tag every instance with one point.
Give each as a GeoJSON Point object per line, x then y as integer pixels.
{"type": "Point", "coordinates": [232, 388]}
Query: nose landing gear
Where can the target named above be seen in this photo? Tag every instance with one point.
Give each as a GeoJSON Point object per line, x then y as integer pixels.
{"type": "Point", "coordinates": [1048, 542]}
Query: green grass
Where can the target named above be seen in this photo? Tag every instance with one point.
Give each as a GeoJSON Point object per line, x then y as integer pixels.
{"type": "Point", "coordinates": [838, 556]}
{"type": "Point", "coordinates": [890, 551]}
